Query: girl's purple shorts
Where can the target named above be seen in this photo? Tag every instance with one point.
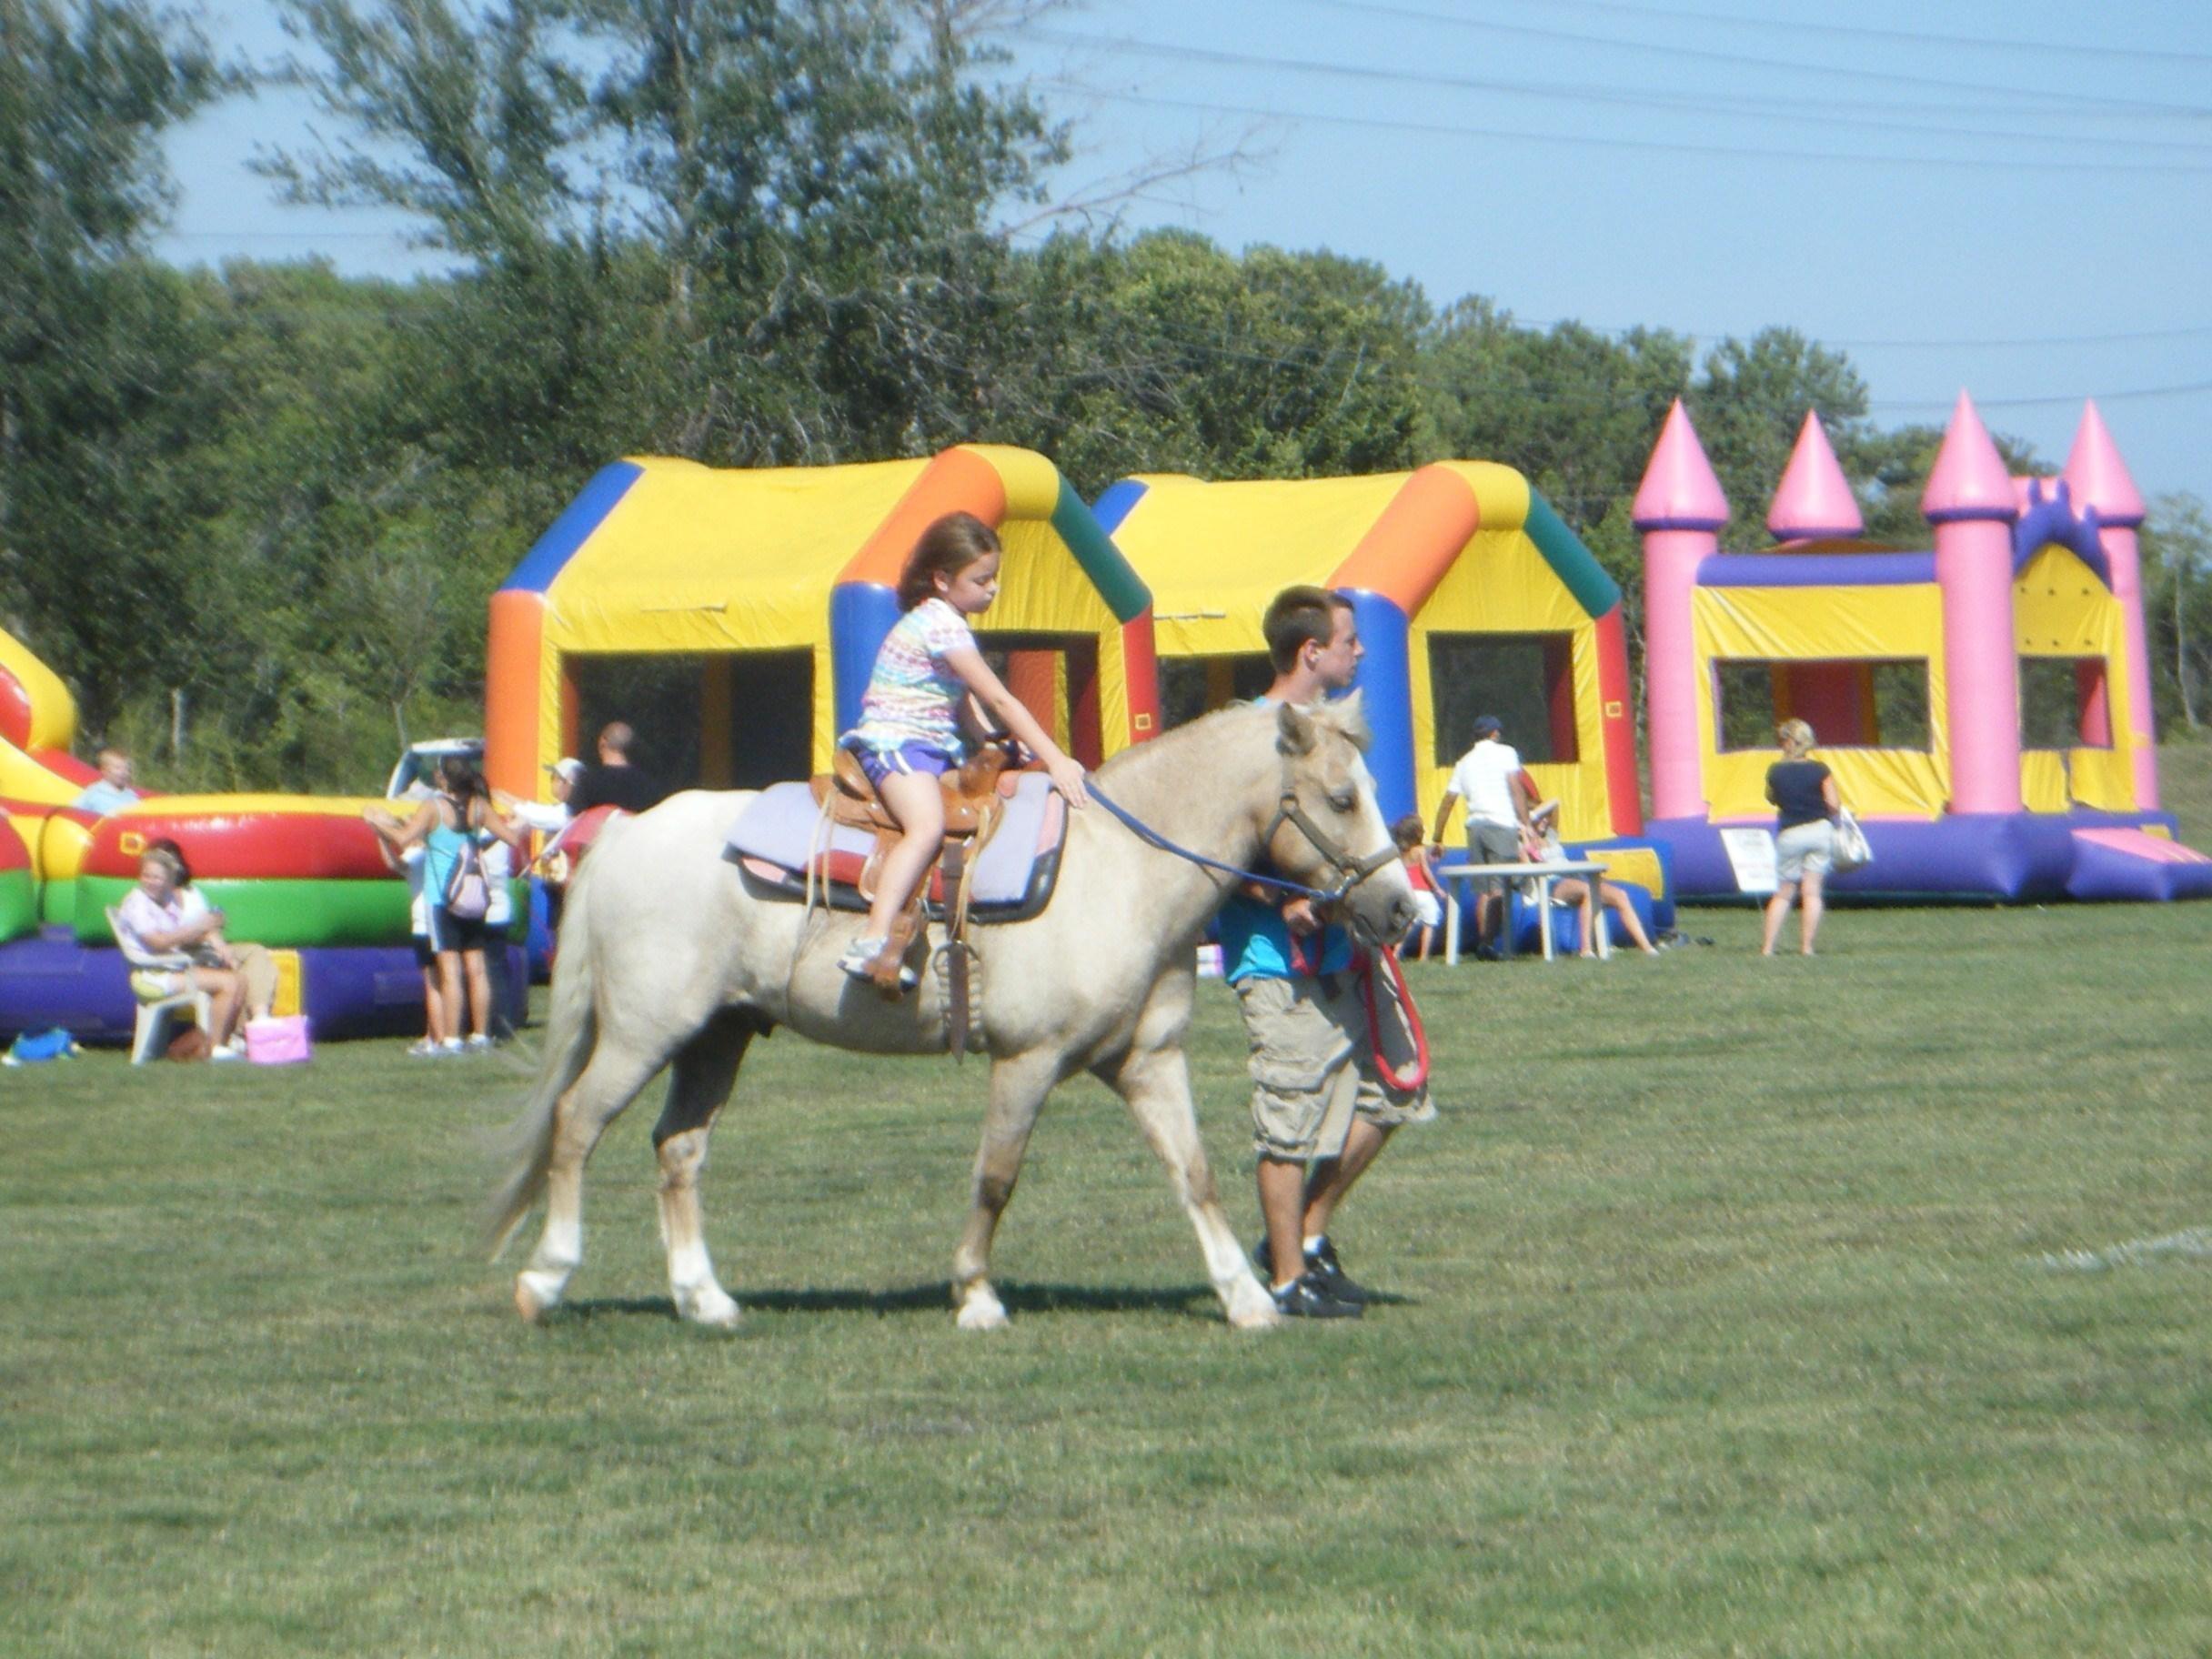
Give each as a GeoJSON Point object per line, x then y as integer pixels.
{"type": "Point", "coordinates": [925, 759]}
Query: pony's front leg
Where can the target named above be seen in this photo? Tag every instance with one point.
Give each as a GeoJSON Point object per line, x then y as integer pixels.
{"type": "Point", "coordinates": [698, 1087]}
{"type": "Point", "coordinates": [1157, 1085]}
{"type": "Point", "coordinates": [1018, 1088]}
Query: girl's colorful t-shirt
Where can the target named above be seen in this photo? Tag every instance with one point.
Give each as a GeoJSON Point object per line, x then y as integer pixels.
{"type": "Point", "coordinates": [913, 697]}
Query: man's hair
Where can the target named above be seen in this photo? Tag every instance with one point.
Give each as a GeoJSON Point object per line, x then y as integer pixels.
{"type": "Point", "coordinates": [618, 736]}
{"type": "Point", "coordinates": [120, 752]}
{"type": "Point", "coordinates": [1295, 616]}
{"type": "Point", "coordinates": [946, 548]}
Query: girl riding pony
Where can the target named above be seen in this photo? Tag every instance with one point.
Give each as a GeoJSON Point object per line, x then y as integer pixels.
{"type": "Point", "coordinates": [929, 675]}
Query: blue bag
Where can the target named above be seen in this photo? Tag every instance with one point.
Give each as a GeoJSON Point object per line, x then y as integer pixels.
{"type": "Point", "coordinates": [31, 1047]}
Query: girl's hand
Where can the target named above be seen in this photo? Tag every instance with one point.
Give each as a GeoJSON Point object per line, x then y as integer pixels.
{"type": "Point", "coordinates": [1068, 779]}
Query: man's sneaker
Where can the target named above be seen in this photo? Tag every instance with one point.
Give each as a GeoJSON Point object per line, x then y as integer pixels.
{"type": "Point", "coordinates": [1326, 1270]}
{"type": "Point", "coordinates": [1304, 1298]}
{"type": "Point", "coordinates": [1322, 1266]}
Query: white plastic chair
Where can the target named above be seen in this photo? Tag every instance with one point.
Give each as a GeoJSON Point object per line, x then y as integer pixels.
{"type": "Point", "coordinates": [150, 1036]}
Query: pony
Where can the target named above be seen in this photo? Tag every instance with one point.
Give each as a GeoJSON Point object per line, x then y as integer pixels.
{"type": "Point", "coordinates": [669, 959]}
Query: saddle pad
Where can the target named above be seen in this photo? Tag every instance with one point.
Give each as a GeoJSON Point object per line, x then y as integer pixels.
{"type": "Point", "coordinates": [774, 837]}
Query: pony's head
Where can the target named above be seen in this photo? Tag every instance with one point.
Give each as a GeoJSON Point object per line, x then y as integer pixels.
{"type": "Point", "coordinates": [1327, 831]}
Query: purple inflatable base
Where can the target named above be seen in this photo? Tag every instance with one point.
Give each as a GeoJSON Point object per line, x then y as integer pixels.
{"type": "Point", "coordinates": [2009, 857]}
{"type": "Point", "coordinates": [49, 979]}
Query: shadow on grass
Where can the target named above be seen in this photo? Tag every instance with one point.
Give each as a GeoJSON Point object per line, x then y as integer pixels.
{"type": "Point", "coordinates": [935, 1297]}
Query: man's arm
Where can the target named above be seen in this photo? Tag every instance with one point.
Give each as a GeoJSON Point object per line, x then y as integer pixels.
{"type": "Point", "coordinates": [1443, 818]}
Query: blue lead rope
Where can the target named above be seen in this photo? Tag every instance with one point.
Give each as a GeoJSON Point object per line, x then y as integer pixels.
{"type": "Point", "coordinates": [1152, 838]}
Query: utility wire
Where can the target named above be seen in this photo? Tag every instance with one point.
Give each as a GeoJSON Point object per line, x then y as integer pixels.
{"type": "Point", "coordinates": [1584, 92]}
{"type": "Point", "coordinates": [1745, 60]}
{"type": "Point", "coordinates": [1741, 153]}
{"type": "Point", "coordinates": [2073, 49]}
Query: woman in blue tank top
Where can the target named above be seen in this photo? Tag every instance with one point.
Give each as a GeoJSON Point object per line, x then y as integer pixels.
{"type": "Point", "coordinates": [1805, 803]}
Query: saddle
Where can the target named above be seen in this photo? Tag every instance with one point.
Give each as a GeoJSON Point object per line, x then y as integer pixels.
{"type": "Point", "coordinates": [973, 810]}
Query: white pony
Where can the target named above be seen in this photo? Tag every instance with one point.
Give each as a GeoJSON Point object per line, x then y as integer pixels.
{"type": "Point", "coordinates": [668, 959]}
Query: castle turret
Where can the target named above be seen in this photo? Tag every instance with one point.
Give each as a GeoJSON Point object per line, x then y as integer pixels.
{"type": "Point", "coordinates": [1970, 502]}
{"type": "Point", "coordinates": [1814, 500]}
{"type": "Point", "coordinates": [2097, 477]}
{"type": "Point", "coordinates": [1679, 510]}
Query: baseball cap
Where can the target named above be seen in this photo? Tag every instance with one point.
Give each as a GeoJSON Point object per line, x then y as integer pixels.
{"type": "Point", "coordinates": [1487, 726]}
{"type": "Point", "coordinates": [567, 766]}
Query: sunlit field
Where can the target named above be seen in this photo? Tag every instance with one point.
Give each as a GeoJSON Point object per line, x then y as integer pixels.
{"type": "Point", "coordinates": [1856, 1304]}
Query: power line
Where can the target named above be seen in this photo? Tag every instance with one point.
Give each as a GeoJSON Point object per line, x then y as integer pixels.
{"type": "Point", "coordinates": [1757, 152]}
{"type": "Point", "coordinates": [1587, 94]}
{"type": "Point", "coordinates": [1745, 60]}
{"type": "Point", "coordinates": [2028, 342]}
{"type": "Point", "coordinates": [2075, 49]}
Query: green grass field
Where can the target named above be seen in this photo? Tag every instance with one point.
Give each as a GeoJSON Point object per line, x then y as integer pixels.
{"type": "Point", "coordinates": [1731, 1309]}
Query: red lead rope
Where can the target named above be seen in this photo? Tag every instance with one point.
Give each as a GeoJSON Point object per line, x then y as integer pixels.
{"type": "Point", "coordinates": [1418, 1077]}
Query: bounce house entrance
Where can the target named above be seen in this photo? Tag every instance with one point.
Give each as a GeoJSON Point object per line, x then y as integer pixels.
{"type": "Point", "coordinates": [730, 720]}
{"type": "Point", "coordinates": [1192, 686]}
{"type": "Point", "coordinates": [1056, 676]}
{"type": "Point", "coordinates": [1856, 703]}
{"type": "Point", "coordinates": [1527, 681]}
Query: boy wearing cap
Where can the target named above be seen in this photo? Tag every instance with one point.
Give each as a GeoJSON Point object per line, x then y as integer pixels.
{"type": "Point", "coordinates": [1488, 778]}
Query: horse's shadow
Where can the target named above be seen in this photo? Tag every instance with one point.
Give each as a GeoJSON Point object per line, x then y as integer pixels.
{"type": "Point", "coordinates": [1194, 1301]}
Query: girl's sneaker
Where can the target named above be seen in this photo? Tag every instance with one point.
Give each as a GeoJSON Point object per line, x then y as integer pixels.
{"type": "Point", "coordinates": [862, 952]}
{"type": "Point", "coordinates": [478, 1043]}
{"type": "Point", "coordinates": [859, 955]}
{"type": "Point", "coordinates": [425, 1049]}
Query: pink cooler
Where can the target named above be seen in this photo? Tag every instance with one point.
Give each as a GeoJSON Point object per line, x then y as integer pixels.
{"type": "Point", "coordinates": [278, 1041]}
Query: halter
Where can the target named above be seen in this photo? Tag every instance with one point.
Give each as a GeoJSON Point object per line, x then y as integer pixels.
{"type": "Point", "coordinates": [1350, 870]}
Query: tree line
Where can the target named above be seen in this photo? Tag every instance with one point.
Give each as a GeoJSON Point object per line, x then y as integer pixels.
{"type": "Point", "coordinates": [253, 515]}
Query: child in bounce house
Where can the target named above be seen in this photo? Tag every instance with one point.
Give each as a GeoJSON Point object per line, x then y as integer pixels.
{"type": "Point", "coordinates": [928, 676]}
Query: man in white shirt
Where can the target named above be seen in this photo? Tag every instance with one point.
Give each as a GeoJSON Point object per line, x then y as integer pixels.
{"type": "Point", "coordinates": [1488, 780]}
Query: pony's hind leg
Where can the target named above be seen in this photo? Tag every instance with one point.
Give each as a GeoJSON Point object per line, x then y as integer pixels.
{"type": "Point", "coordinates": [595, 1100]}
{"type": "Point", "coordinates": [1156, 1084]}
{"type": "Point", "coordinates": [1018, 1088]}
{"type": "Point", "coordinates": [698, 1087]}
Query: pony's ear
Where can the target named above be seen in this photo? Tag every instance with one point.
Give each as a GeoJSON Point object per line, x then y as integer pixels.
{"type": "Point", "coordinates": [1294, 733]}
{"type": "Point", "coordinates": [1350, 712]}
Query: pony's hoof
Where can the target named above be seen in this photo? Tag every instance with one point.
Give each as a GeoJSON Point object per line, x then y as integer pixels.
{"type": "Point", "coordinates": [980, 1309]}
{"type": "Point", "coordinates": [713, 1307]}
{"type": "Point", "coordinates": [536, 1295]}
{"type": "Point", "coordinates": [1250, 1308]}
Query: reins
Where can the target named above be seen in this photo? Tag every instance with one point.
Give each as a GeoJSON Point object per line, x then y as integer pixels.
{"type": "Point", "coordinates": [1351, 871]}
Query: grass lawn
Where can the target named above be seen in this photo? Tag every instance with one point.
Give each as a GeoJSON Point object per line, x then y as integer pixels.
{"type": "Point", "coordinates": [1731, 1308]}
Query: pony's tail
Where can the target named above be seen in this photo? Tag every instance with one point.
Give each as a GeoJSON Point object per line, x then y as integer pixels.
{"type": "Point", "coordinates": [571, 1030]}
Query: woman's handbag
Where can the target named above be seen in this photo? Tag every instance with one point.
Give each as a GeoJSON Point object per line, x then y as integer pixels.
{"type": "Point", "coordinates": [1853, 851]}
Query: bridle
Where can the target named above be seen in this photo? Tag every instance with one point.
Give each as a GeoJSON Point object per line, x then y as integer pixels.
{"type": "Point", "coordinates": [1350, 870]}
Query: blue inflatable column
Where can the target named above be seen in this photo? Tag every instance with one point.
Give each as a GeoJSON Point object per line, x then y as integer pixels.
{"type": "Point", "coordinates": [860, 615]}
{"type": "Point", "coordinates": [1386, 676]}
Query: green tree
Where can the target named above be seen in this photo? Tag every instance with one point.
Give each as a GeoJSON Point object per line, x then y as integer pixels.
{"type": "Point", "coordinates": [93, 347]}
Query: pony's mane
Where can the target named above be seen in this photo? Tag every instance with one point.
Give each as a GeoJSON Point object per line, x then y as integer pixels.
{"type": "Point", "coordinates": [1348, 717]}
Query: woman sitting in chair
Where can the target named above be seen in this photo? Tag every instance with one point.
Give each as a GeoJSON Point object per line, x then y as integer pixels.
{"type": "Point", "coordinates": [158, 936]}
{"type": "Point", "coordinates": [1541, 845]}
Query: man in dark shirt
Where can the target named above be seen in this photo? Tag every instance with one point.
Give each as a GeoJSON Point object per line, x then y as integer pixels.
{"type": "Point", "coordinates": [614, 782]}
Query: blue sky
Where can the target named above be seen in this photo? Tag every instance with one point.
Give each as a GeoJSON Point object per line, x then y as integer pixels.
{"type": "Point", "coordinates": [2014, 198]}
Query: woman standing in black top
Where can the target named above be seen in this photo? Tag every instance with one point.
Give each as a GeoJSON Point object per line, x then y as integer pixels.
{"type": "Point", "coordinates": [1805, 797]}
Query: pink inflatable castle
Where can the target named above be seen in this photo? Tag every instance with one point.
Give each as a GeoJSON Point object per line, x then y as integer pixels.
{"type": "Point", "coordinates": [1986, 707]}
